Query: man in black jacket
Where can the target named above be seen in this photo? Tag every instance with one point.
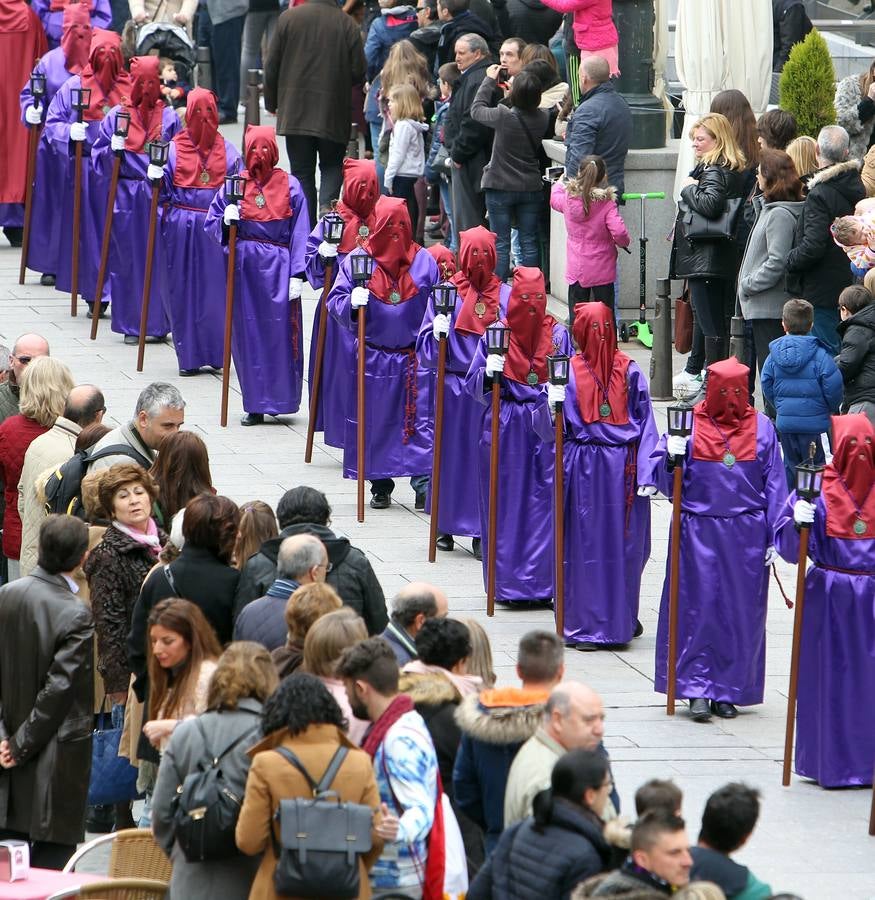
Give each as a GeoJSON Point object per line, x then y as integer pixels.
{"type": "Point", "coordinates": [458, 18]}
{"type": "Point", "coordinates": [304, 510]}
{"type": "Point", "coordinates": [856, 361]}
{"type": "Point", "coordinates": [791, 24]}
{"type": "Point", "coordinates": [817, 268]}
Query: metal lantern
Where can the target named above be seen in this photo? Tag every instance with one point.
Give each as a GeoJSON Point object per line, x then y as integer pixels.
{"type": "Point", "coordinates": [498, 338]}
{"type": "Point", "coordinates": [362, 267]}
{"type": "Point", "coordinates": [809, 478]}
{"type": "Point", "coordinates": [234, 187]}
{"type": "Point", "coordinates": [557, 368]}
{"type": "Point", "coordinates": [81, 98]}
{"type": "Point", "coordinates": [332, 227]}
{"type": "Point", "coordinates": [122, 123]}
{"type": "Point", "coordinates": [158, 152]}
{"type": "Point", "coordinates": [680, 420]}
{"type": "Point", "coordinates": [444, 295]}
{"type": "Point", "coordinates": [37, 86]}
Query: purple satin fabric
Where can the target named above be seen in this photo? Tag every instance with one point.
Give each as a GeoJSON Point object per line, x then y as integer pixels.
{"type": "Point", "coordinates": [53, 22]}
{"type": "Point", "coordinates": [835, 729]}
{"type": "Point", "coordinates": [459, 511]}
{"type": "Point", "coordinates": [192, 279]}
{"type": "Point", "coordinates": [267, 338]}
{"type": "Point", "coordinates": [524, 551]}
{"type": "Point", "coordinates": [393, 396]}
{"type": "Point", "coordinates": [11, 215]}
{"type": "Point", "coordinates": [728, 519]}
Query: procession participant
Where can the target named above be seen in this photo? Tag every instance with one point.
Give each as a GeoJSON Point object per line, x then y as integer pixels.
{"type": "Point", "coordinates": [524, 550]}
{"type": "Point", "coordinates": [192, 279]}
{"type": "Point", "coordinates": [734, 488]}
{"type": "Point", "coordinates": [609, 427]}
{"type": "Point", "coordinates": [835, 739]}
{"type": "Point", "coordinates": [52, 15]}
{"type": "Point", "coordinates": [398, 437]}
{"type": "Point", "coordinates": [272, 223]}
{"type": "Point", "coordinates": [151, 120]}
{"type": "Point", "coordinates": [446, 260]}
{"type": "Point", "coordinates": [361, 192]}
{"type": "Point", "coordinates": [22, 41]}
{"type": "Point", "coordinates": [482, 298]}
{"type": "Point", "coordinates": [52, 172]}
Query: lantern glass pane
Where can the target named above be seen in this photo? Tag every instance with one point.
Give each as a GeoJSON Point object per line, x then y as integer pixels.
{"type": "Point", "coordinates": [333, 228]}
{"type": "Point", "coordinates": [122, 124]}
{"type": "Point", "coordinates": [801, 480]}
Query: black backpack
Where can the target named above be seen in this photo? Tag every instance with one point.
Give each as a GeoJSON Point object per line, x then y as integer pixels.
{"type": "Point", "coordinates": [205, 809]}
{"type": "Point", "coordinates": [64, 486]}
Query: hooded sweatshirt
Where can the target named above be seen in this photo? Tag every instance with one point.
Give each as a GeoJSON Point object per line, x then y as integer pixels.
{"type": "Point", "coordinates": [406, 150]}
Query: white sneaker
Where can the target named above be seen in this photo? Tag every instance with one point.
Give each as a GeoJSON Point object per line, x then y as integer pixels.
{"type": "Point", "coordinates": [686, 385]}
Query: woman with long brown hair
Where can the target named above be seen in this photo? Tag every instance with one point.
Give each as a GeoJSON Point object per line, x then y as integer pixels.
{"type": "Point", "coordinates": [182, 471]}
{"type": "Point", "coordinates": [257, 525]}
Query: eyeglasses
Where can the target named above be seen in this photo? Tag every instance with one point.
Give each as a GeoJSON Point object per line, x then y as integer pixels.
{"type": "Point", "coordinates": [327, 566]}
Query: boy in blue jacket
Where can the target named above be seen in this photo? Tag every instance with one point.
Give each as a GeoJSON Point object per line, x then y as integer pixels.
{"type": "Point", "coordinates": [801, 380]}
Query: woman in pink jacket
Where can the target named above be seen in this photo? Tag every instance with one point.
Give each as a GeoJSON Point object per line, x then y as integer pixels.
{"type": "Point", "coordinates": [594, 230]}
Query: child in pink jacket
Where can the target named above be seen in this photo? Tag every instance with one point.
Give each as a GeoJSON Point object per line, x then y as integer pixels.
{"type": "Point", "coordinates": [594, 230]}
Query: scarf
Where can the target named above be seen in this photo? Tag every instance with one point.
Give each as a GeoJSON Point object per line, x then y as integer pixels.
{"type": "Point", "coordinates": [145, 104]}
{"type": "Point", "coordinates": [200, 149]}
{"type": "Point", "coordinates": [531, 329]}
{"type": "Point", "coordinates": [149, 540]}
{"type": "Point", "coordinates": [76, 37]}
{"type": "Point", "coordinates": [849, 479]}
{"type": "Point", "coordinates": [445, 260]}
{"type": "Point", "coordinates": [464, 684]}
{"type": "Point", "coordinates": [104, 75]}
{"type": "Point", "coordinates": [599, 368]}
{"type": "Point", "coordinates": [361, 191]}
{"type": "Point", "coordinates": [725, 422]}
{"type": "Point", "coordinates": [392, 246]}
{"type": "Point", "coordinates": [263, 181]}
{"type": "Point", "coordinates": [376, 734]}
{"type": "Point", "coordinates": [478, 286]}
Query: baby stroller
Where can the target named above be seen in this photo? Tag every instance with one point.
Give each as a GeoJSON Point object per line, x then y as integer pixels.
{"type": "Point", "coordinates": [172, 41]}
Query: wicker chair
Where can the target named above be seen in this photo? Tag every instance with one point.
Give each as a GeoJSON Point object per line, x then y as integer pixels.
{"type": "Point", "coordinates": [122, 889]}
{"type": "Point", "coordinates": [134, 854]}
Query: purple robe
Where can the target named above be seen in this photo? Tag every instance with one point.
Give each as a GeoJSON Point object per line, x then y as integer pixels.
{"type": "Point", "coordinates": [130, 229]}
{"type": "Point", "coordinates": [835, 729]}
{"type": "Point", "coordinates": [337, 382]}
{"type": "Point", "coordinates": [192, 278]}
{"type": "Point", "coordinates": [459, 507]}
{"type": "Point", "coordinates": [266, 339]}
{"type": "Point", "coordinates": [399, 399]}
{"type": "Point", "coordinates": [607, 526]}
{"type": "Point", "coordinates": [53, 20]}
{"type": "Point", "coordinates": [728, 519]}
{"type": "Point", "coordinates": [524, 548]}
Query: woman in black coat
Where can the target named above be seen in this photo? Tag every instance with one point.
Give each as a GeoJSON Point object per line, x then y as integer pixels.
{"type": "Point", "coordinates": [561, 844]}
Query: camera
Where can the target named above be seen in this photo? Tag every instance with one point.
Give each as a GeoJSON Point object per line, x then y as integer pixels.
{"type": "Point", "coordinates": [553, 173]}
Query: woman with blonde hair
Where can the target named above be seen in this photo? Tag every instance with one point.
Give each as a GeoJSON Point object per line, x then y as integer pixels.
{"type": "Point", "coordinates": [479, 663]}
{"type": "Point", "coordinates": [257, 525]}
{"type": "Point", "coordinates": [803, 152]}
{"type": "Point", "coordinates": [306, 605]}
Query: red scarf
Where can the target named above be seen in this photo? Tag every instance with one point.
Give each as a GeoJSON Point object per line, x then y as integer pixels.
{"type": "Point", "coordinates": [58, 5]}
{"type": "Point", "coordinates": [445, 260]}
{"type": "Point", "coordinates": [105, 74]}
{"type": "Point", "coordinates": [393, 249]}
{"type": "Point", "coordinates": [361, 191]}
{"type": "Point", "coordinates": [725, 422]}
{"type": "Point", "coordinates": [76, 37]}
{"type": "Point", "coordinates": [200, 149]}
{"type": "Point", "coordinates": [14, 16]}
{"type": "Point", "coordinates": [599, 368]}
{"type": "Point", "coordinates": [145, 105]}
{"type": "Point", "coordinates": [531, 329]}
{"type": "Point", "coordinates": [261, 155]}
{"type": "Point", "coordinates": [849, 479]}
{"type": "Point", "coordinates": [476, 281]}
{"type": "Point", "coordinates": [376, 734]}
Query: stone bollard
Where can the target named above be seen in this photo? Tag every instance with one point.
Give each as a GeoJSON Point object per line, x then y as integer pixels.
{"type": "Point", "coordinates": [204, 68]}
{"type": "Point", "coordinates": [252, 115]}
{"type": "Point", "coordinates": [660, 359]}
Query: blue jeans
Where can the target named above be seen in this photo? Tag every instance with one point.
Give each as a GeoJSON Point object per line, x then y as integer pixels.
{"type": "Point", "coordinates": [447, 203]}
{"type": "Point", "coordinates": [795, 448]}
{"type": "Point", "coordinates": [376, 128]}
{"type": "Point", "coordinates": [504, 207]}
{"type": "Point", "coordinates": [825, 321]}
{"type": "Point", "coordinates": [225, 41]}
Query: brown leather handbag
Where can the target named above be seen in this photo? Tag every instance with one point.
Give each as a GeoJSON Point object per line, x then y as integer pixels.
{"type": "Point", "coordinates": [683, 322]}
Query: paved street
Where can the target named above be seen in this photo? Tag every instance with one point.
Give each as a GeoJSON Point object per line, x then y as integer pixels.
{"type": "Point", "coordinates": [809, 841]}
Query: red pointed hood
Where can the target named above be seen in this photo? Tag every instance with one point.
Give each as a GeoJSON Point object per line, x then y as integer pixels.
{"type": "Point", "coordinates": [76, 37]}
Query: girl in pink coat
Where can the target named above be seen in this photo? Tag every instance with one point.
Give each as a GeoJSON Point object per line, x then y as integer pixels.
{"type": "Point", "coordinates": [594, 230]}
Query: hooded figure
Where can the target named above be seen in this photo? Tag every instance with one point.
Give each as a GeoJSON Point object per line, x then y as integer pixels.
{"type": "Point", "coordinates": [150, 121]}
{"type": "Point", "coordinates": [192, 280]}
{"type": "Point", "coordinates": [481, 299]}
{"type": "Point", "coordinates": [398, 393]}
{"type": "Point", "coordinates": [52, 14]}
{"type": "Point", "coordinates": [266, 341]}
{"type": "Point", "coordinates": [357, 208]}
{"type": "Point", "coordinates": [524, 546]}
{"type": "Point", "coordinates": [835, 738]}
{"type": "Point", "coordinates": [733, 492]}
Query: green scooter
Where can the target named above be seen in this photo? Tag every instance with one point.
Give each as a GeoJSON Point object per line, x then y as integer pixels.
{"type": "Point", "coordinates": [640, 329]}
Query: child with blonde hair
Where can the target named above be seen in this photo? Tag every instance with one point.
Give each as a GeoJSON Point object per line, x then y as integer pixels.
{"type": "Point", "coordinates": [406, 163]}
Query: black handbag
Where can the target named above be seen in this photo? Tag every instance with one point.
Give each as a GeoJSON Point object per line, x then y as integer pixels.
{"type": "Point", "coordinates": [700, 228]}
{"type": "Point", "coordinates": [321, 838]}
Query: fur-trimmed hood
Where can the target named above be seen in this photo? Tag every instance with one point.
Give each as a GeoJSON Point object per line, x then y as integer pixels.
{"type": "Point", "coordinates": [502, 715]}
{"type": "Point", "coordinates": [830, 173]}
{"type": "Point", "coordinates": [430, 689]}
{"type": "Point", "coordinates": [597, 194]}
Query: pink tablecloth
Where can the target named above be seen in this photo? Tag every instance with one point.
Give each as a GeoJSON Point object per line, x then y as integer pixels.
{"type": "Point", "coordinates": [42, 883]}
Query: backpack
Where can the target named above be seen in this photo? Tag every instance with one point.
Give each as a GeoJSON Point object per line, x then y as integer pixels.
{"type": "Point", "coordinates": [64, 486]}
{"type": "Point", "coordinates": [205, 810]}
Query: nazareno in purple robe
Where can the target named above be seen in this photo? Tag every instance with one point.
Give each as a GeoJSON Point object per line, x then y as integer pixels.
{"type": "Point", "coordinates": [524, 548]}
{"type": "Point", "coordinates": [835, 728]}
{"type": "Point", "coordinates": [192, 278]}
{"type": "Point", "coordinates": [459, 507]}
{"type": "Point", "coordinates": [130, 229]}
{"type": "Point", "coordinates": [53, 20]}
{"type": "Point", "coordinates": [728, 519]}
{"type": "Point", "coordinates": [266, 339]}
{"type": "Point", "coordinates": [607, 526]}
{"type": "Point", "coordinates": [399, 398]}
{"type": "Point", "coordinates": [337, 383]}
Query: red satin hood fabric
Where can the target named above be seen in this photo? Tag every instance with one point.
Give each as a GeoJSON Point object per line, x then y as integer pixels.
{"type": "Point", "coordinates": [145, 106]}
{"type": "Point", "coordinates": [76, 37]}
{"type": "Point", "coordinates": [58, 5]}
{"type": "Point", "coordinates": [199, 147]}
{"type": "Point", "coordinates": [598, 358]}
{"type": "Point", "coordinates": [853, 462]}
{"type": "Point", "coordinates": [392, 246]}
{"type": "Point", "coordinates": [361, 191]}
{"type": "Point", "coordinates": [13, 16]}
{"type": "Point", "coordinates": [726, 408]}
{"type": "Point", "coordinates": [261, 154]}
{"type": "Point", "coordinates": [445, 260]}
{"type": "Point", "coordinates": [531, 329]}
{"type": "Point", "coordinates": [476, 280]}
{"type": "Point", "coordinates": [105, 74]}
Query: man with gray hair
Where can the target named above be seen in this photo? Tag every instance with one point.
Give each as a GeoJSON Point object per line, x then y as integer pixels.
{"type": "Point", "coordinates": [27, 347]}
{"type": "Point", "coordinates": [818, 269]}
{"type": "Point", "coordinates": [412, 605]}
{"type": "Point", "coordinates": [302, 559]}
{"type": "Point", "coordinates": [160, 411]}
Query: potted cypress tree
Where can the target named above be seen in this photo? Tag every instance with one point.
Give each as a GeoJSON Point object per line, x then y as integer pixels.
{"type": "Point", "coordinates": [807, 85]}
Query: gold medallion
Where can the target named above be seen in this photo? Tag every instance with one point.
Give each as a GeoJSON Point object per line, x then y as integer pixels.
{"type": "Point", "coordinates": [260, 201]}
{"type": "Point", "coordinates": [394, 297]}
{"type": "Point", "coordinates": [480, 308]}
{"type": "Point", "coordinates": [364, 231]}
{"type": "Point", "coordinates": [205, 177]}
{"type": "Point", "coordinates": [532, 378]}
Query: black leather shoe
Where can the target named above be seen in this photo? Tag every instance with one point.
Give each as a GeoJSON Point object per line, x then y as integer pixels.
{"type": "Point", "coordinates": [639, 629]}
{"type": "Point", "coordinates": [477, 548]}
{"type": "Point", "coordinates": [381, 501]}
{"type": "Point", "coordinates": [47, 280]}
{"type": "Point", "coordinates": [188, 373]}
{"type": "Point", "coordinates": [419, 503]}
{"type": "Point", "coordinates": [700, 711]}
{"type": "Point", "coordinates": [445, 542]}
{"type": "Point", "coordinates": [252, 419]}
{"type": "Point", "coordinates": [588, 646]}
{"type": "Point", "coordinates": [103, 308]}
{"type": "Point", "coordinates": [723, 710]}
{"type": "Point", "coordinates": [132, 339]}
{"type": "Point", "coordinates": [14, 234]}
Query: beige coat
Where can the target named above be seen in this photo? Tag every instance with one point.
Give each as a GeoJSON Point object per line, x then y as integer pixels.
{"type": "Point", "coordinates": [163, 10]}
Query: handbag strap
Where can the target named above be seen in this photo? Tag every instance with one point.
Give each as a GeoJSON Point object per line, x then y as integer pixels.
{"type": "Point", "coordinates": [208, 753]}
{"type": "Point", "coordinates": [327, 779]}
{"type": "Point", "coordinates": [532, 142]}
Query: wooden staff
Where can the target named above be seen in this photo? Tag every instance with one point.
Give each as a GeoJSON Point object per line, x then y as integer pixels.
{"type": "Point", "coordinates": [493, 498]}
{"type": "Point", "coordinates": [438, 446]}
{"type": "Point", "coordinates": [360, 425]}
{"type": "Point", "coordinates": [147, 279]}
{"type": "Point", "coordinates": [673, 583]}
{"type": "Point", "coordinates": [559, 523]}
{"type": "Point", "coordinates": [81, 101]}
{"type": "Point", "coordinates": [234, 193]}
{"type": "Point", "coordinates": [32, 140]}
{"type": "Point", "coordinates": [320, 355]}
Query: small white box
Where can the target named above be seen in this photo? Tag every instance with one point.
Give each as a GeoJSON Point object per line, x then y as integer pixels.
{"type": "Point", "coordinates": [14, 860]}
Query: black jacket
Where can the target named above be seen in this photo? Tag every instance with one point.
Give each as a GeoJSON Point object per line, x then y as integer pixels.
{"type": "Point", "coordinates": [791, 24]}
{"type": "Point", "coordinates": [351, 575]}
{"type": "Point", "coordinates": [709, 865]}
{"type": "Point", "coordinates": [528, 863]}
{"type": "Point", "coordinates": [817, 268]}
{"type": "Point", "coordinates": [707, 259]}
{"type": "Point", "coordinates": [532, 21]}
{"type": "Point", "coordinates": [463, 137]}
{"type": "Point", "coordinates": [46, 703]}
{"type": "Point", "coordinates": [856, 361]}
{"type": "Point", "coordinates": [466, 22]}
